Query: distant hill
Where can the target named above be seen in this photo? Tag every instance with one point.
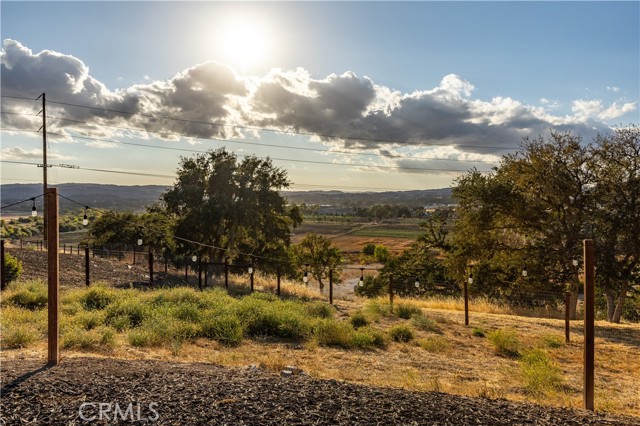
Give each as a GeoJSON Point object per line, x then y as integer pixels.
{"type": "Point", "coordinates": [112, 197]}
{"type": "Point", "coordinates": [136, 198]}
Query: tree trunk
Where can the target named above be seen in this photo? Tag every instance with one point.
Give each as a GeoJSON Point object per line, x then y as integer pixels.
{"type": "Point", "coordinates": [611, 307]}
{"type": "Point", "coordinates": [620, 303]}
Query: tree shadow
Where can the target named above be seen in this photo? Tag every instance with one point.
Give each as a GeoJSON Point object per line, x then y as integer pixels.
{"type": "Point", "coordinates": [9, 387]}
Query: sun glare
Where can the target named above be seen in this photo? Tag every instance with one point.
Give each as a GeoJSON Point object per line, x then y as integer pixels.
{"type": "Point", "coordinates": [243, 44]}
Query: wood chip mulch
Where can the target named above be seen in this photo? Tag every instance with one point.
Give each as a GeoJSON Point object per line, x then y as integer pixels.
{"type": "Point", "coordinates": [164, 393]}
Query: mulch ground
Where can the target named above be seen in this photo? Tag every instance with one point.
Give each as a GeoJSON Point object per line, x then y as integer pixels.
{"type": "Point", "coordinates": [201, 394]}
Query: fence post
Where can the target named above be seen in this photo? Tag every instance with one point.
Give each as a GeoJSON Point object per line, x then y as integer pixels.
{"type": "Point", "coordinates": [186, 271]}
{"type": "Point", "coordinates": [567, 315]}
{"type": "Point", "coordinates": [278, 281]}
{"type": "Point", "coordinates": [226, 272]}
{"type": "Point", "coordinates": [391, 291]}
{"type": "Point", "coordinates": [589, 327]}
{"type": "Point", "coordinates": [331, 286]}
{"type": "Point", "coordinates": [93, 251]}
{"type": "Point", "coordinates": [3, 279]}
{"type": "Point", "coordinates": [134, 255]}
{"type": "Point", "coordinates": [466, 303]}
{"type": "Point", "coordinates": [64, 248]}
{"type": "Point", "coordinates": [206, 274]}
{"type": "Point", "coordinates": [86, 266]}
{"type": "Point", "coordinates": [53, 284]}
{"type": "Point", "coordinates": [199, 275]}
{"type": "Point", "coordinates": [21, 243]}
{"type": "Point", "coordinates": [150, 267]}
{"type": "Point", "coordinates": [251, 277]}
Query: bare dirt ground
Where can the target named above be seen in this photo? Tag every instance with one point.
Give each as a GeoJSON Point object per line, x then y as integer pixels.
{"type": "Point", "coordinates": [175, 394]}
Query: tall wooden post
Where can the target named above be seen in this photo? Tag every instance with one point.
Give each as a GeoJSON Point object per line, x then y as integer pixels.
{"type": "Point", "coordinates": [251, 278]}
{"type": "Point", "coordinates": [466, 302]}
{"type": "Point", "coordinates": [53, 262]}
{"type": "Point", "coordinates": [3, 279]}
{"type": "Point", "coordinates": [206, 274]}
{"type": "Point", "coordinates": [278, 281]}
{"type": "Point", "coordinates": [567, 315]}
{"type": "Point", "coordinates": [331, 286]}
{"type": "Point", "coordinates": [199, 274]}
{"type": "Point", "coordinates": [589, 326]}
{"type": "Point", "coordinates": [86, 266]}
{"type": "Point", "coordinates": [226, 272]}
{"type": "Point", "coordinates": [186, 272]}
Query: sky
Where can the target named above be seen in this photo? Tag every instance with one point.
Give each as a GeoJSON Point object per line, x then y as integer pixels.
{"type": "Point", "coordinates": [357, 96]}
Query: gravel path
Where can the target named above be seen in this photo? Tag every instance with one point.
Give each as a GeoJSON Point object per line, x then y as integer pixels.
{"type": "Point", "coordinates": [201, 394]}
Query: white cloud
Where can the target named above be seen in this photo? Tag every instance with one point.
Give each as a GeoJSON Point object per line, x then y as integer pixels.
{"type": "Point", "coordinates": [333, 109]}
{"type": "Point", "coordinates": [17, 153]}
{"type": "Point", "coordinates": [101, 144]}
{"type": "Point", "coordinates": [613, 89]}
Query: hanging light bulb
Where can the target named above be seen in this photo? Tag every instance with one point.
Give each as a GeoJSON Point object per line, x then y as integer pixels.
{"type": "Point", "coordinates": [417, 283]}
{"type": "Point", "coordinates": [250, 269]}
{"type": "Point", "coordinates": [524, 271]}
{"type": "Point", "coordinates": [470, 281]}
{"type": "Point", "coordinates": [575, 262]}
{"type": "Point", "coordinates": [305, 278]}
{"type": "Point", "coordinates": [85, 219]}
{"type": "Point", "coordinates": [140, 239]}
{"type": "Point", "coordinates": [34, 212]}
{"type": "Point", "coordinates": [361, 282]}
{"type": "Point", "coordinates": [194, 258]}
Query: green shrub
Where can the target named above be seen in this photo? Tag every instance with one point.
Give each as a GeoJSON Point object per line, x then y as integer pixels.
{"type": "Point", "coordinates": [381, 253]}
{"type": "Point", "coordinates": [434, 344]}
{"type": "Point", "coordinates": [225, 329]}
{"type": "Point", "coordinates": [552, 341]}
{"type": "Point", "coordinates": [97, 297]}
{"type": "Point", "coordinates": [77, 338]}
{"type": "Point", "coordinates": [358, 319]}
{"type": "Point", "coordinates": [187, 311]}
{"type": "Point", "coordinates": [330, 332]}
{"type": "Point", "coordinates": [272, 319]}
{"type": "Point", "coordinates": [506, 343]}
{"type": "Point", "coordinates": [367, 338]}
{"type": "Point", "coordinates": [478, 332]}
{"type": "Point", "coordinates": [12, 268]}
{"type": "Point", "coordinates": [18, 336]}
{"type": "Point", "coordinates": [405, 311]}
{"type": "Point", "coordinates": [88, 320]}
{"type": "Point", "coordinates": [369, 249]}
{"type": "Point", "coordinates": [401, 333]}
{"type": "Point", "coordinates": [30, 295]}
{"type": "Point", "coordinates": [424, 323]}
{"type": "Point", "coordinates": [319, 309]}
{"type": "Point", "coordinates": [539, 373]}
{"type": "Point", "coordinates": [133, 309]}
{"type": "Point", "coordinates": [143, 337]}
{"type": "Point", "coordinates": [376, 310]}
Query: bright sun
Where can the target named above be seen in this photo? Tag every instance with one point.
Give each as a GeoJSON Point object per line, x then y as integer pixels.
{"type": "Point", "coordinates": [244, 45]}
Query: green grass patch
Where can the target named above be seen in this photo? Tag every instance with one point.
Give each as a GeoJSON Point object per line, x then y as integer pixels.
{"type": "Point", "coordinates": [82, 339]}
{"type": "Point", "coordinates": [331, 332]}
{"type": "Point", "coordinates": [552, 341]}
{"type": "Point", "coordinates": [505, 343]}
{"type": "Point", "coordinates": [19, 336]}
{"type": "Point", "coordinates": [29, 295]}
{"type": "Point", "coordinates": [436, 344]}
{"type": "Point", "coordinates": [406, 311]}
{"type": "Point", "coordinates": [368, 338]}
{"type": "Point", "coordinates": [401, 333]}
{"type": "Point", "coordinates": [98, 297]}
{"type": "Point", "coordinates": [424, 323]}
{"type": "Point", "coordinates": [540, 375]}
{"type": "Point", "coordinates": [359, 319]}
{"type": "Point", "coordinates": [478, 332]}
{"type": "Point", "coordinates": [225, 329]}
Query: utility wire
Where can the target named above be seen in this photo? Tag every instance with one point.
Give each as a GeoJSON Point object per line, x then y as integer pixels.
{"type": "Point", "coordinates": [91, 169]}
{"type": "Point", "coordinates": [23, 201]}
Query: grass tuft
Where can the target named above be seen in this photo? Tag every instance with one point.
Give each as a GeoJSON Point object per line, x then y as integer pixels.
{"type": "Point", "coordinates": [436, 344]}
{"type": "Point", "coordinates": [401, 333]}
{"type": "Point", "coordinates": [539, 373]}
{"type": "Point", "coordinates": [406, 311]}
{"type": "Point", "coordinates": [505, 342]}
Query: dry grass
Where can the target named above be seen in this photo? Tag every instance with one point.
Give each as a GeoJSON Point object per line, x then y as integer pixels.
{"type": "Point", "coordinates": [447, 358]}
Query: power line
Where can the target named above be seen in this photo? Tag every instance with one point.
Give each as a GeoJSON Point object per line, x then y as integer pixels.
{"type": "Point", "coordinates": [66, 166]}
{"type": "Point", "coordinates": [23, 201]}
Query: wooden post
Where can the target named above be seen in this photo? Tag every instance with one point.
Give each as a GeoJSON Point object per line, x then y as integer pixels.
{"type": "Point", "coordinates": [3, 279]}
{"type": "Point", "coordinates": [466, 303]}
{"type": "Point", "coordinates": [331, 286]}
{"type": "Point", "coordinates": [278, 281]}
{"type": "Point", "coordinates": [53, 262]}
{"type": "Point", "coordinates": [150, 267]}
{"type": "Point", "coordinates": [134, 255]}
{"type": "Point", "coordinates": [567, 315]}
{"type": "Point", "coordinates": [186, 271]}
{"type": "Point", "coordinates": [166, 265]}
{"type": "Point", "coordinates": [589, 326]}
{"type": "Point", "coordinates": [93, 250]}
{"type": "Point", "coordinates": [226, 272]}
{"type": "Point", "coordinates": [391, 291]}
{"type": "Point", "coordinates": [21, 243]}
{"type": "Point", "coordinates": [86, 266]}
{"type": "Point", "coordinates": [251, 278]}
{"type": "Point", "coordinates": [199, 275]}
{"type": "Point", "coordinates": [64, 248]}
{"type": "Point", "coordinates": [206, 274]}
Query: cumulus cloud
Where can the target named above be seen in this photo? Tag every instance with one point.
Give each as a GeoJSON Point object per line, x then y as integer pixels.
{"type": "Point", "coordinates": [344, 111]}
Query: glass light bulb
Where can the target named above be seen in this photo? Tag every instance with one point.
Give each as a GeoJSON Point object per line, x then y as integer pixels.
{"type": "Point", "coordinates": [139, 241]}
{"type": "Point", "coordinates": [34, 212]}
{"type": "Point", "coordinates": [250, 270]}
{"type": "Point", "coordinates": [417, 283]}
{"type": "Point", "coordinates": [194, 258]}
{"type": "Point", "coordinates": [85, 220]}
